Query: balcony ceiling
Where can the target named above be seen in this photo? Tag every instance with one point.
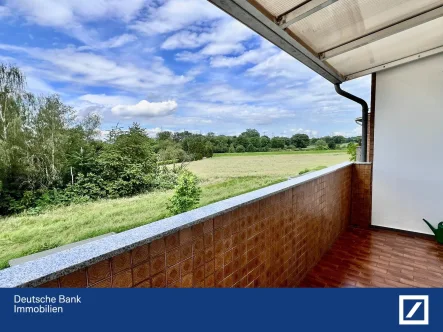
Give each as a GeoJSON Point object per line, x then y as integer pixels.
{"type": "Point", "coordinates": [345, 39]}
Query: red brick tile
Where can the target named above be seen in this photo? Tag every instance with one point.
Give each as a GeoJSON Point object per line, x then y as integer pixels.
{"type": "Point", "coordinates": [173, 274]}
{"type": "Point", "coordinates": [185, 235]}
{"type": "Point", "coordinates": [50, 284]}
{"type": "Point", "coordinates": [141, 272]}
{"type": "Point", "coordinates": [158, 264]}
{"type": "Point", "coordinates": [186, 266]}
{"type": "Point", "coordinates": [99, 271]}
{"type": "Point", "coordinates": [121, 262]}
{"type": "Point", "coordinates": [76, 279]}
{"type": "Point", "coordinates": [208, 226]}
{"type": "Point", "coordinates": [159, 280]}
{"type": "Point", "coordinates": [106, 283]}
{"type": "Point", "coordinates": [122, 279]}
{"type": "Point", "coordinates": [185, 251]}
{"type": "Point", "coordinates": [144, 284]}
{"type": "Point", "coordinates": [172, 241]}
{"type": "Point", "coordinates": [187, 281]}
{"type": "Point", "coordinates": [140, 254]}
{"type": "Point", "coordinates": [157, 247]}
{"type": "Point", "coordinates": [172, 257]}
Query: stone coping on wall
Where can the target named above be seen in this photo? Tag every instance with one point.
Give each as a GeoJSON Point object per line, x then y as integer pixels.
{"type": "Point", "coordinates": [45, 269]}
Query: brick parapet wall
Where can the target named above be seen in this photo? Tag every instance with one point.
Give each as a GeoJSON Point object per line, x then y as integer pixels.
{"type": "Point", "coordinates": [272, 242]}
{"type": "Point", "coordinates": [361, 204]}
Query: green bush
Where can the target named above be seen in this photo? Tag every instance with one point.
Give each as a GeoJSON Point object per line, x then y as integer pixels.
{"type": "Point", "coordinates": [306, 170]}
{"type": "Point", "coordinates": [240, 149]}
{"type": "Point", "coordinates": [187, 194]}
{"type": "Point", "coordinates": [352, 151]}
{"type": "Point", "coordinates": [321, 145]}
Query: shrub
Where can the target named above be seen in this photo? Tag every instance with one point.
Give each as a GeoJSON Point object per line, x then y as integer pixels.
{"type": "Point", "coordinates": [352, 151]}
{"type": "Point", "coordinates": [187, 194]}
{"type": "Point", "coordinates": [321, 145]}
{"type": "Point", "coordinates": [240, 149]}
{"type": "Point", "coordinates": [306, 170]}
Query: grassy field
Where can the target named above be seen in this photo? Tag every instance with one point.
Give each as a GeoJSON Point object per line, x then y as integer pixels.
{"type": "Point", "coordinates": [222, 177]}
{"type": "Point", "coordinates": [256, 164]}
{"type": "Point", "coordinates": [218, 155]}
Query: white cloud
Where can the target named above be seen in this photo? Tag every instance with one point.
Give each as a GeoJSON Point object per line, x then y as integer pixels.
{"type": "Point", "coordinates": [87, 68]}
{"type": "Point", "coordinates": [114, 42]}
{"type": "Point", "coordinates": [189, 57]}
{"type": "Point", "coordinates": [103, 99]}
{"type": "Point", "coordinates": [175, 15]}
{"type": "Point", "coordinates": [355, 132]}
{"type": "Point", "coordinates": [281, 65]}
{"type": "Point", "coordinates": [182, 39]}
{"type": "Point", "coordinates": [36, 85]}
{"type": "Point", "coordinates": [226, 37]}
{"type": "Point", "coordinates": [146, 109]}
{"type": "Point", "coordinates": [309, 132]}
{"type": "Point", "coordinates": [71, 16]}
{"type": "Point", "coordinates": [243, 113]}
{"type": "Point", "coordinates": [60, 13]}
{"type": "Point", "coordinates": [4, 11]}
{"type": "Point", "coordinates": [254, 56]}
{"type": "Point", "coordinates": [222, 48]}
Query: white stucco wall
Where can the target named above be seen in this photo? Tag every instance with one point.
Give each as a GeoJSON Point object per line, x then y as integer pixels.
{"type": "Point", "coordinates": [408, 146]}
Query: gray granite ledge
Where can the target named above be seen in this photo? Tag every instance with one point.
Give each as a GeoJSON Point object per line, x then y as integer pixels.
{"type": "Point", "coordinates": [34, 273]}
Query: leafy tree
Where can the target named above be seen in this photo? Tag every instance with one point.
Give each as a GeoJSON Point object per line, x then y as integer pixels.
{"type": "Point", "coordinates": [186, 195]}
{"type": "Point", "coordinates": [339, 139]}
{"type": "Point", "coordinates": [352, 151]}
{"type": "Point", "coordinates": [250, 133]}
{"type": "Point", "coordinates": [196, 145]}
{"type": "Point", "coordinates": [321, 145]}
{"type": "Point", "coordinates": [12, 84]}
{"type": "Point", "coordinates": [164, 135]}
{"type": "Point", "coordinates": [300, 140]}
{"type": "Point", "coordinates": [332, 145]}
{"type": "Point", "coordinates": [251, 148]}
{"type": "Point", "coordinates": [240, 149]}
{"type": "Point", "coordinates": [277, 142]}
{"type": "Point", "coordinates": [265, 141]}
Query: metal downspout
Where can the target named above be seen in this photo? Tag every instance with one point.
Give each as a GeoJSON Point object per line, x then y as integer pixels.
{"type": "Point", "coordinates": [364, 117]}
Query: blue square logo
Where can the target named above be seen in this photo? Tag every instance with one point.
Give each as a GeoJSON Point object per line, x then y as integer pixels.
{"type": "Point", "coordinates": [414, 309]}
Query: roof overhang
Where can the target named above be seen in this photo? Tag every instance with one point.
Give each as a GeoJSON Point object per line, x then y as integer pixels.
{"type": "Point", "coordinates": [345, 39]}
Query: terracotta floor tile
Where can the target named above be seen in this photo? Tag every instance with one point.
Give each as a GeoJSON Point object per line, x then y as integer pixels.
{"type": "Point", "coordinates": [379, 258]}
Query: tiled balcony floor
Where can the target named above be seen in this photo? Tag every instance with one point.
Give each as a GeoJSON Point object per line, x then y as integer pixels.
{"type": "Point", "coordinates": [379, 258]}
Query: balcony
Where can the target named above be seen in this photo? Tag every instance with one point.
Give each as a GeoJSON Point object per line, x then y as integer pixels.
{"type": "Point", "coordinates": [311, 231]}
{"type": "Point", "coordinates": [379, 258]}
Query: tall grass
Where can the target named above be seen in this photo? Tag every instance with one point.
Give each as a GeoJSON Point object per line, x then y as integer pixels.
{"type": "Point", "coordinates": [23, 235]}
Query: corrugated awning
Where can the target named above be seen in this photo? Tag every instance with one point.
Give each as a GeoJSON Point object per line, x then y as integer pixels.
{"type": "Point", "coordinates": [345, 39]}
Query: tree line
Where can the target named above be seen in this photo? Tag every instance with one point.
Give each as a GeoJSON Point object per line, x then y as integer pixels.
{"type": "Point", "coordinates": [180, 145]}
{"type": "Point", "coordinates": [49, 156]}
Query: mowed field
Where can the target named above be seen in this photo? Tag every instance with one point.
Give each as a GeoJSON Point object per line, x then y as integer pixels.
{"type": "Point", "coordinates": [221, 178]}
{"type": "Point", "coordinates": [263, 165]}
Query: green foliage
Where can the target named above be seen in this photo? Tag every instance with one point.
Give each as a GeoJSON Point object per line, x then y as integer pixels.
{"type": "Point", "coordinates": [352, 151]}
{"type": "Point", "coordinates": [240, 149]}
{"type": "Point", "coordinates": [306, 170]}
{"type": "Point", "coordinates": [186, 195]}
{"type": "Point", "coordinates": [300, 140]}
{"type": "Point", "coordinates": [277, 142]}
{"type": "Point", "coordinates": [332, 145]}
{"type": "Point", "coordinates": [321, 145]}
{"type": "Point", "coordinates": [198, 147]}
{"type": "Point", "coordinates": [47, 158]}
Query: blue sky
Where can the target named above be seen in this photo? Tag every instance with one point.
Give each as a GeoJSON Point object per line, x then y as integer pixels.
{"type": "Point", "coordinates": [171, 65]}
